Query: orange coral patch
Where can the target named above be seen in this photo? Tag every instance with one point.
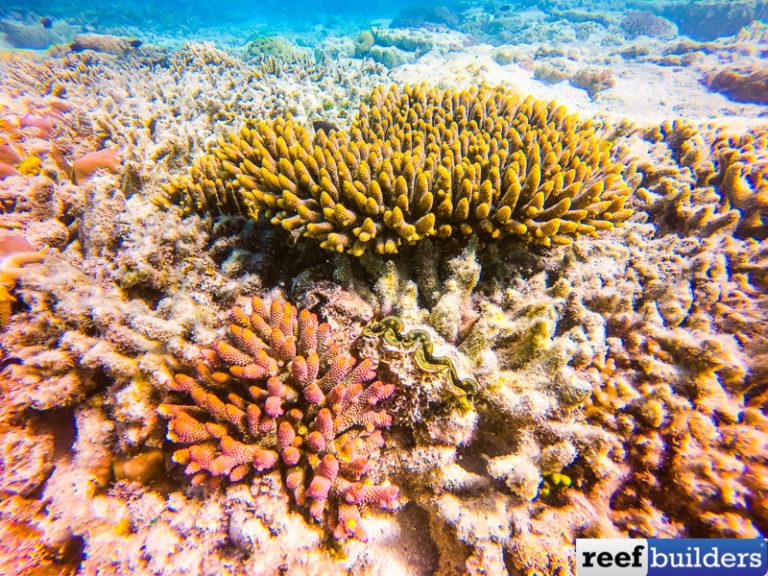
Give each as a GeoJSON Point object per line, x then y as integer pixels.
{"type": "Point", "coordinates": [84, 167]}
{"type": "Point", "coordinates": [8, 154]}
{"type": "Point", "coordinates": [6, 170]}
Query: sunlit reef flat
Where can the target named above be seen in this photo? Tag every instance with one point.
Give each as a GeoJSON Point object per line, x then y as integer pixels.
{"type": "Point", "coordinates": [388, 288]}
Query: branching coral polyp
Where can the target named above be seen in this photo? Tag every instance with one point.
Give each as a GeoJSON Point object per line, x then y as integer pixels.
{"type": "Point", "coordinates": [282, 395]}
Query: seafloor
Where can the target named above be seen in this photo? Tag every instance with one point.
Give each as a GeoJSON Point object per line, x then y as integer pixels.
{"type": "Point", "coordinates": [352, 300]}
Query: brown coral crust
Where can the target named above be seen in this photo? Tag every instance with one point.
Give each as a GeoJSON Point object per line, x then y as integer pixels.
{"type": "Point", "coordinates": [742, 84]}
{"type": "Point", "coordinates": [418, 163]}
{"type": "Point", "coordinates": [593, 81]}
{"type": "Point", "coordinates": [717, 182]}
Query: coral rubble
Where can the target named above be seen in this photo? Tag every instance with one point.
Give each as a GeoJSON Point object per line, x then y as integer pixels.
{"type": "Point", "coordinates": [675, 385]}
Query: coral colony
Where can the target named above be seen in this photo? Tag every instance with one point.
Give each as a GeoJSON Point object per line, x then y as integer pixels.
{"type": "Point", "coordinates": [284, 395]}
{"type": "Point", "coordinates": [419, 163]}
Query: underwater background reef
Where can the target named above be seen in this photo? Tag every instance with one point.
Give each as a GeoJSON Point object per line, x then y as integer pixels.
{"type": "Point", "coordinates": [299, 288]}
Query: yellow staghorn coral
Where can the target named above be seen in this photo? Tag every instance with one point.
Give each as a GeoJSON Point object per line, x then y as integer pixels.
{"type": "Point", "coordinates": [417, 163]}
{"type": "Point", "coordinates": [202, 190]}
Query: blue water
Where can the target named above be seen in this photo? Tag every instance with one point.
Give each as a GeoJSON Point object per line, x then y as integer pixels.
{"type": "Point", "coordinates": [162, 14]}
{"type": "Point", "coordinates": [186, 19]}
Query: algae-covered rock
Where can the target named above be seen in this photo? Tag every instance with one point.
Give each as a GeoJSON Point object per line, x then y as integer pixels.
{"type": "Point", "coordinates": [363, 43]}
{"type": "Point", "coordinates": [593, 80]}
{"type": "Point", "coordinates": [645, 23]}
{"type": "Point", "coordinates": [710, 19]}
{"type": "Point", "coordinates": [32, 36]}
{"type": "Point", "coordinates": [390, 57]}
{"type": "Point", "coordinates": [424, 17]}
{"type": "Point", "coordinates": [740, 83]}
{"type": "Point", "coordinates": [391, 47]}
{"type": "Point", "coordinates": [279, 48]}
{"type": "Point", "coordinates": [553, 72]}
{"type": "Point", "coordinates": [503, 57]}
{"type": "Point", "coordinates": [106, 43]}
{"type": "Point", "coordinates": [407, 41]}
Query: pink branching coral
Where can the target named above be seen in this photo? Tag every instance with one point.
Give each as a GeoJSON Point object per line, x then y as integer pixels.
{"type": "Point", "coordinates": [283, 396]}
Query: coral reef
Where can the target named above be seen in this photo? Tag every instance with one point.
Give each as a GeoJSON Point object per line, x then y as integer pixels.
{"type": "Point", "coordinates": [121, 286]}
{"type": "Point", "coordinates": [643, 22]}
{"type": "Point", "coordinates": [604, 385]}
{"type": "Point", "coordinates": [477, 469]}
{"type": "Point", "coordinates": [291, 400]}
{"type": "Point", "coordinates": [418, 163]}
{"type": "Point", "coordinates": [710, 19]}
{"type": "Point", "coordinates": [58, 362]}
{"type": "Point", "coordinates": [643, 324]}
{"type": "Point", "coordinates": [674, 364]}
{"type": "Point", "coordinates": [508, 24]}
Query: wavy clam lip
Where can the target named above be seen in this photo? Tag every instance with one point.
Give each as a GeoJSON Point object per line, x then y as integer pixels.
{"type": "Point", "coordinates": [418, 163]}
{"type": "Point", "coordinates": [391, 329]}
